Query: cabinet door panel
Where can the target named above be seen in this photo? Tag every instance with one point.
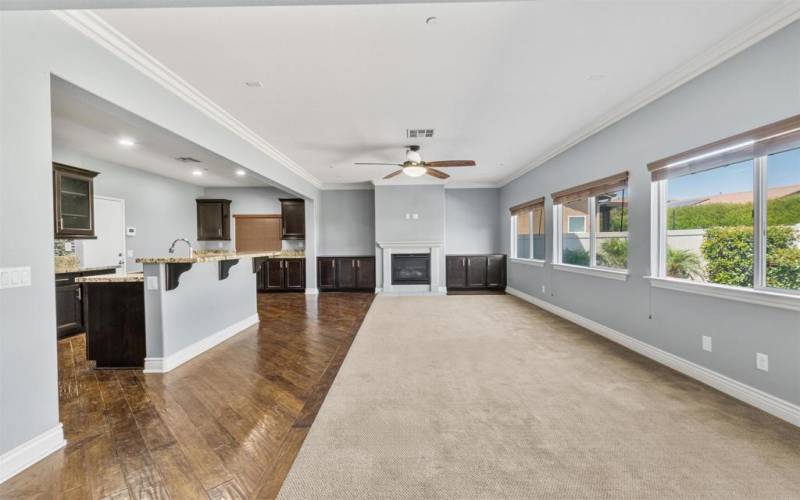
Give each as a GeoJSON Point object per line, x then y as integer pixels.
{"type": "Point", "coordinates": [456, 268]}
{"type": "Point", "coordinates": [274, 269]}
{"type": "Point", "coordinates": [293, 218]}
{"type": "Point", "coordinates": [295, 270]}
{"type": "Point", "coordinates": [365, 273]}
{"type": "Point", "coordinates": [346, 272]}
{"type": "Point", "coordinates": [209, 221]}
{"type": "Point", "coordinates": [496, 271]}
{"type": "Point", "coordinates": [69, 310]}
{"type": "Point", "coordinates": [476, 271]}
{"type": "Point", "coordinates": [326, 273]}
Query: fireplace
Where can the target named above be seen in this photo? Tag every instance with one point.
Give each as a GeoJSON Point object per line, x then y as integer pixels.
{"type": "Point", "coordinates": [411, 269]}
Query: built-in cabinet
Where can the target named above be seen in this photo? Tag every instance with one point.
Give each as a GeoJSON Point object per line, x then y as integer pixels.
{"type": "Point", "coordinates": [293, 219]}
{"type": "Point", "coordinates": [282, 275]}
{"type": "Point", "coordinates": [213, 220]}
{"type": "Point", "coordinates": [475, 272]}
{"type": "Point", "coordinates": [70, 301]}
{"type": "Point", "coordinates": [73, 202]}
{"type": "Point", "coordinates": [346, 273]}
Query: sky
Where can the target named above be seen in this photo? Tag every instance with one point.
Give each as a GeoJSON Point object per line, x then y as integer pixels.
{"type": "Point", "coordinates": [783, 169]}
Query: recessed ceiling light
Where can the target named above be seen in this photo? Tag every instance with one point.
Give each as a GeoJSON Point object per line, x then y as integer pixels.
{"type": "Point", "coordinates": [126, 142]}
{"type": "Point", "coordinates": [241, 173]}
{"type": "Point", "coordinates": [197, 173]}
{"type": "Point", "coordinates": [432, 20]}
{"type": "Point", "coordinates": [254, 83]}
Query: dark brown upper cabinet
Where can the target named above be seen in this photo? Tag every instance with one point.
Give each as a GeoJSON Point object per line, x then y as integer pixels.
{"type": "Point", "coordinates": [293, 219]}
{"type": "Point", "coordinates": [73, 201]}
{"type": "Point", "coordinates": [213, 220]}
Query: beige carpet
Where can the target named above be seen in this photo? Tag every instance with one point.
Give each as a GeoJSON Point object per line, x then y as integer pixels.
{"type": "Point", "coordinates": [489, 397]}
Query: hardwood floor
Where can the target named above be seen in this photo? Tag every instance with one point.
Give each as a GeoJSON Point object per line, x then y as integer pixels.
{"type": "Point", "coordinates": [226, 425]}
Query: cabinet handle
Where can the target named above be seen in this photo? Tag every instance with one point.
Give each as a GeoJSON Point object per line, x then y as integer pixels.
{"type": "Point", "coordinates": [358, 264]}
{"type": "Point", "coordinates": [353, 264]}
{"type": "Point", "coordinates": [80, 295]}
{"type": "Point", "coordinates": [61, 223]}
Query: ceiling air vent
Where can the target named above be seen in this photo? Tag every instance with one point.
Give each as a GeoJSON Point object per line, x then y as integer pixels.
{"type": "Point", "coordinates": [187, 159]}
{"type": "Point", "coordinates": [414, 133]}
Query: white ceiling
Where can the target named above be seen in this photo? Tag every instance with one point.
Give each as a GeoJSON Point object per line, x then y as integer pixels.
{"type": "Point", "coordinates": [503, 83]}
{"type": "Point", "coordinates": [90, 125]}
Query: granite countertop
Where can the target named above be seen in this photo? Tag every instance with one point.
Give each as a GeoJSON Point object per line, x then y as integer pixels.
{"type": "Point", "coordinates": [215, 257]}
{"type": "Point", "coordinates": [67, 270]}
{"type": "Point", "coordinates": [112, 278]}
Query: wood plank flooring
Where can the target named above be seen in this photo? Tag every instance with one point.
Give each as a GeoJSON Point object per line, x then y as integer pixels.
{"type": "Point", "coordinates": [226, 425]}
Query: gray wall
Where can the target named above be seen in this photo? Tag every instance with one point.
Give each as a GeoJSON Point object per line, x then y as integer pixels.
{"type": "Point", "coordinates": [160, 208]}
{"type": "Point", "coordinates": [347, 222]}
{"type": "Point", "coordinates": [757, 87]}
{"type": "Point", "coordinates": [34, 46]}
{"type": "Point", "coordinates": [471, 221]}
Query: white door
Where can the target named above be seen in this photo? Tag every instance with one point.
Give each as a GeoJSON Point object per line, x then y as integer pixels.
{"type": "Point", "coordinates": [109, 247]}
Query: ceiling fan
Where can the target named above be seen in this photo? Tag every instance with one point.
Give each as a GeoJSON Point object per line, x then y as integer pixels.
{"type": "Point", "coordinates": [415, 167]}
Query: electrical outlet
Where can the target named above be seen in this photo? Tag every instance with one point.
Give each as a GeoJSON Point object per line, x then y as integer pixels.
{"type": "Point", "coordinates": [544, 290]}
{"type": "Point", "coordinates": [762, 361]}
{"type": "Point", "coordinates": [706, 343]}
{"type": "Point", "coordinates": [152, 282]}
{"type": "Point", "coordinates": [408, 216]}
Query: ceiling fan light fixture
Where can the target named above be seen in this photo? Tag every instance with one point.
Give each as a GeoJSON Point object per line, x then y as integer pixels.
{"type": "Point", "coordinates": [414, 170]}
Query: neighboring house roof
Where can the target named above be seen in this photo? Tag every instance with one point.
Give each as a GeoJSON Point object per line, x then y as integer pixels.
{"type": "Point", "coordinates": [742, 197]}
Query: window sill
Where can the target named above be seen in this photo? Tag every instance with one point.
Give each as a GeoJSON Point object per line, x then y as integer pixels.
{"type": "Point", "coordinates": [749, 295]}
{"type": "Point", "coordinates": [528, 262]}
{"type": "Point", "coordinates": [593, 271]}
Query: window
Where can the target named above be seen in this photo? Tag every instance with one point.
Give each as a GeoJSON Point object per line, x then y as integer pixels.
{"type": "Point", "coordinates": [592, 224]}
{"type": "Point", "coordinates": [527, 230]}
{"type": "Point", "coordinates": [729, 213]}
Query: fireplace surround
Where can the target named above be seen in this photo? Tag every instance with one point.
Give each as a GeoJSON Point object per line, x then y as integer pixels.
{"type": "Point", "coordinates": [433, 249]}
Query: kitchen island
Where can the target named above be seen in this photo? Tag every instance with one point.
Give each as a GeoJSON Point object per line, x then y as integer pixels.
{"type": "Point", "coordinates": [194, 303]}
{"type": "Point", "coordinates": [113, 308]}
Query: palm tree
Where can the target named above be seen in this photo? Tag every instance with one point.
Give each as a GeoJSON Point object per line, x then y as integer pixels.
{"type": "Point", "coordinates": [684, 264]}
{"type": "Point", "coordinates": [614, 253]}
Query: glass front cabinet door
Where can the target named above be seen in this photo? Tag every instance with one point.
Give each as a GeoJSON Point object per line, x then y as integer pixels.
{"type": "Point", "coordinates": [73, 201]}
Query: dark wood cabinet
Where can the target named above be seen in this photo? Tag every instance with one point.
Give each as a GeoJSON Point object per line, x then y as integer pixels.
{"type": "Point", "coordinates": [282, 275]}
{"type": "Point", "coordinates": [213, 220]}
{"type": "Point", "coordinates": [326, 273]}
{"type": "Point", "coordinates": [365, 273]}
{"type": "Point", "coordinates": [346, 273]}
{"type": "Point", "coordinates": [293, 219]}
{"type": "Point", "coordinates": [115, 324]}
{"type": "Point", "coordinates": [70, 302]}
{"type": "Point", "coordinates": [346, 269]}
{"type": "Point", "coordinates": [475, 272]}
{"type": "Point", "coordinates": [69, 310]}
{"type": "Point", "coordinates": [73, 202]}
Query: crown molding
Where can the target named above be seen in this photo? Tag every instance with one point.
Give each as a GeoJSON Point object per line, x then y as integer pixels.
{"type": "Point", "coordinates": [776, 19]}
{"type": "Point", "coordinates": [95, 28]}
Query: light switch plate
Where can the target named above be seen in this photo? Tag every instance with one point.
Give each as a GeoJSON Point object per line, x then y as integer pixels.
{"type": "Point", "coordinates": [415, 216]}
{"type": "Point", "coordinates": [15, 277]}
{"type": "Point", "coordinates": [762, 361]}
{"type": "Point", "coordinates": [152, 282]}
{"type": "Point", "coordinates": [706, 343]}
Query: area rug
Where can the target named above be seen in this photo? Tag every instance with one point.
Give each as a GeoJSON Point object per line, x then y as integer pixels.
{"type": "Point", "coordinates": [489, 397]}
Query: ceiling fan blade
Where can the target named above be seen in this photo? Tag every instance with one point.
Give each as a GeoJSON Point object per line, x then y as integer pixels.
{"type": "Point", "coordinates": [451, 163]}
{"type": "Point", "coordinates": [437, 173]}
{"type": "Point", "coordinates": [392, 164]}
{"type": "Point", "coordinates": [393, 174]}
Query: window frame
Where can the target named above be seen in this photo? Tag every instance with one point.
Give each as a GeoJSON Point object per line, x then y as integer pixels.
{"type": "Point", "coordinates": [755, 145]}
{"type": "Point", "coordinates": [569, 223]}
{"type": "Point", "coordinates": [531, 206]}
{"type": "Point", "coordinates": [558, 230]}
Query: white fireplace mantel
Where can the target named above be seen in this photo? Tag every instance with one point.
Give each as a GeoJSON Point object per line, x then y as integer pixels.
{"type": "Point", "coordinates": [434, 248]}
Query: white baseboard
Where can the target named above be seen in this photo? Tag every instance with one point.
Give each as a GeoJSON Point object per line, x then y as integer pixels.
{"type": "Point", "coordinates": [166, 364]}
{"type": "Point", "coordinates": [773, 405]}
{"type": "Point", "coordinates": [30, 452]}
{"type": "Point", "coordinates": [312, 291]}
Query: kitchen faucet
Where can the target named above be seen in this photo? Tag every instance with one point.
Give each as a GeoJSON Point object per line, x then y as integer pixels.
{"type": "Point", "coordinates": [172, 247]}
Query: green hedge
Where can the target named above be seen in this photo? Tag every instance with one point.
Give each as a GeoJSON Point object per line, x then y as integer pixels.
{"type": "Point", "coordinates": [728, 252]}
{"type": "Point", "coordinates": [781, 211]}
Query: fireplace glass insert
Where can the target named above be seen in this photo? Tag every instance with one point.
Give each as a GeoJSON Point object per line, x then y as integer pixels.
{"type": "Point", "coordinates": [411, 269]}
